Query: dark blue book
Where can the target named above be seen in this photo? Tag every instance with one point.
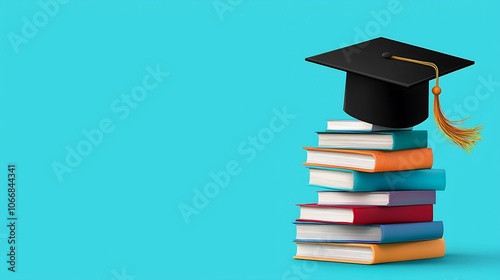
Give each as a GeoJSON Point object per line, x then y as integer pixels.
{"type": "Point", "coordinates": [386, 233]}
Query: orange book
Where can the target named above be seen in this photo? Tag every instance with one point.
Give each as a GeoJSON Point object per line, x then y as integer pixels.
{"type": "Point", "coordinates": [370, 253]}
{"type": "Point", "coordinates": [370, 160]}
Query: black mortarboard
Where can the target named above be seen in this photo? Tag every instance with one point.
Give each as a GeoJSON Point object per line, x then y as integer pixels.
{"type": "Point", "coordinates": [387, 81]}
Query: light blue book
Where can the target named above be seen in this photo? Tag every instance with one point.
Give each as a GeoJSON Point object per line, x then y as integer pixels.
{"type": "Point", "coordinates": [386, 233]}
{"type": "Point", "coordinates": [350, 180]}
{"type": "Point", "coordinates": [389, 140]}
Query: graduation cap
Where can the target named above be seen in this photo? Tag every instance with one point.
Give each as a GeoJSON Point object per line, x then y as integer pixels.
{"type": "Point", "coordinates": [387, 84]}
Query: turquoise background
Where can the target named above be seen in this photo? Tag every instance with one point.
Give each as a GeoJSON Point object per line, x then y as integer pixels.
{"type": "Point", "coordinates": [117, 215]}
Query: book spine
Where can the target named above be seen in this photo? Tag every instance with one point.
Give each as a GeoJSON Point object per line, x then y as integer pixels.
{"type": "Point", "coordinates": [405, 232]}
{"type": "Point", "coordinates": [409, 139]}
{"type": "Point", "coordinates": [423, 179]}
{"type": "Point", "coordinates": [393, 214]}
{"type": "Point", "coordinates": [408, 251]}
{"type": "Point", "coordinates": [403, 160]}
{"type": "Point", "coordinates": [399, 198]}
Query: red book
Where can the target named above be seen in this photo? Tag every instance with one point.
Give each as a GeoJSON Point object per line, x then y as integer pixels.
{"type": "Point", "coordinates": [365, 214]}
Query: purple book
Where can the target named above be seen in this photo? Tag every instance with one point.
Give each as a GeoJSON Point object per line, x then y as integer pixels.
{"type": "Point", "coordinates": [388, 198]}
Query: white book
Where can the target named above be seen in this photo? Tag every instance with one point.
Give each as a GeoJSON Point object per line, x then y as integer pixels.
{"type": "Point", "coordinates": [356, 125]}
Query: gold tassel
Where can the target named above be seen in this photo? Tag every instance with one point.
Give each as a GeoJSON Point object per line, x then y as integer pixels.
{"type": "Point", "coordinates": [465, 138]}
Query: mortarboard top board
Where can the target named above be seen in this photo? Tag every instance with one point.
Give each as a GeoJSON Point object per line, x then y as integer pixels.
{"type": "Point", "coordinates": [388, 92]}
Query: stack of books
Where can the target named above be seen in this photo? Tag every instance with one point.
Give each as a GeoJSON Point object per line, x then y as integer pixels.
{"type": "Point", "coordinates": [376, 194]}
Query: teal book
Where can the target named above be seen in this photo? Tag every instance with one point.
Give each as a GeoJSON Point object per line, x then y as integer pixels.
{"type": "Point", "coordinates": [388, 140]}
{"type": "Point", "coordinates": [350, 180]}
